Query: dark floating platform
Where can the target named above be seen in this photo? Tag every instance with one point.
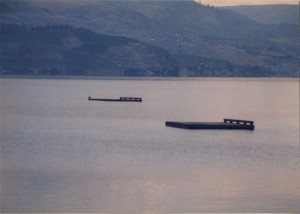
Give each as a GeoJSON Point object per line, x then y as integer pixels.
{"type": "Point", "coordinates": [121, 99]}
{"type": "Point", "coordinates": [230, 124]}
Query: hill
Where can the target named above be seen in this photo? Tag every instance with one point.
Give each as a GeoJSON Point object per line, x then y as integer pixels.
{"type": "Point", "coordinates": [65, 50]}
{"type": "Point", "coordinates": [203, 40]}
{"type": "Point", "coordinates": [270, 14]}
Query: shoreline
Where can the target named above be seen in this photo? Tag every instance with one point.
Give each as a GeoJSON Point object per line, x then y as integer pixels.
{"type": "Point", "coordinates": [144, 78]}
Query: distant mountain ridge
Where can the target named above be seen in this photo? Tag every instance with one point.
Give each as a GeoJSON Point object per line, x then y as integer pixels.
{"type": "Point", "coordinates": [269, 14]}
{"type": "Point", "coordinates": [198, 40]}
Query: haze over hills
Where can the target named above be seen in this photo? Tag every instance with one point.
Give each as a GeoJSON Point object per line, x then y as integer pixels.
{"type": "Point", "coordinates": [194, 40]}
{"type": "Point", "coordinates": [269, 14]}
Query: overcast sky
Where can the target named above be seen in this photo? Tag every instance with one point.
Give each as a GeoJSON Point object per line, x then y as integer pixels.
{"type": "Point", "coordinates": [248, 2]}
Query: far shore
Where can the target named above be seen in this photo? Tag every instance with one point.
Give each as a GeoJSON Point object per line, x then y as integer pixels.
{"type": "Point", "coordinates": [142, 78]}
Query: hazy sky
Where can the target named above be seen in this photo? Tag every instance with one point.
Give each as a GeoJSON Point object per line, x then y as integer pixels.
{"type": "Point", "coordinates": [210, 2]}
{"type": "Point", "coordinates": [248, 2]}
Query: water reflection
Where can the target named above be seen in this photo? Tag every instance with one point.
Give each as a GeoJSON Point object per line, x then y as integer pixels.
{"type": "Point", "coordinates": [206, 190]}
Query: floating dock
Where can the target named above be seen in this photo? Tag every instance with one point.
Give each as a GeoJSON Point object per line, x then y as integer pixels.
{"type": "Point", "coordinates": [121, 99]}
{"type": "Point", "coordinates": [230, 124]}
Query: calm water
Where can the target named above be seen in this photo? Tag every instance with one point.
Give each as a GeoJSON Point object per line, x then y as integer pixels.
{"type": "Point", "coordinates": [63, 153]}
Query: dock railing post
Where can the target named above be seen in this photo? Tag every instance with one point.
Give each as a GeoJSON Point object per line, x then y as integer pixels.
{"type": "Point", "coordinates": [239, 122]}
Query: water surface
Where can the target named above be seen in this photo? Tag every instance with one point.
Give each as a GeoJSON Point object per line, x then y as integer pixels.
{"type": "Point", "coordinates": [63, 153]}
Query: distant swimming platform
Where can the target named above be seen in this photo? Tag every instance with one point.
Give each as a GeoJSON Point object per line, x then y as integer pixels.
{"type": "Point", "coordinates": [229, 124]}
{"type": "Point", "coordinates": [121, 99]}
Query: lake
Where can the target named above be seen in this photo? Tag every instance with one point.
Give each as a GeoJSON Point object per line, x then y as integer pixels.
{"type": "Point", "coordinates": [63, 153]}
